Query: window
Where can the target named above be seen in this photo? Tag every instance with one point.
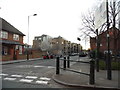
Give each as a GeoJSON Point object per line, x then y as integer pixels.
{"type": "Point", "coordinates": [16, 37]}
{"type": "Point", "coordinates": [4, 50]}
{"type": "Point", "coordinates": [20, 49]}
{"type": "Point", "coordinates": [4, 34]}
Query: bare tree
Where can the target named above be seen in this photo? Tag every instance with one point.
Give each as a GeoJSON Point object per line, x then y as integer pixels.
{"type": "Point", "coordinates": [88, 24]}
{"type": "Point", "coordinates": [114, 11]}
{"type": "Point", "coordinates": [88, 20]}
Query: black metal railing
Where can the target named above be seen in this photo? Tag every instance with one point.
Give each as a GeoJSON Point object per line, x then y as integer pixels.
{"type": "Point", "coordinates": [66, 66]}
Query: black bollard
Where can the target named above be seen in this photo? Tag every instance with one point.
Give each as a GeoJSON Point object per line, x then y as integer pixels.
{"type": "Point", "coordinates": [64, 63]}
{"type": "Point", "coordinates": [92, 72]}
{"type": "Point", "coordinates": [57, 65]}
{"type": "Point", "coordinates": [68, 62]}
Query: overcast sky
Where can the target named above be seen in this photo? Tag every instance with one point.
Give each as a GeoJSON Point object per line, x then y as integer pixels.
{"type": "Point", "coordinates": [54, 17]}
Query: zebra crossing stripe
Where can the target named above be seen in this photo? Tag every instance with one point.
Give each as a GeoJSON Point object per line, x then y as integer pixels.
{"type": "Point", "coordinates": [42, 82]}
{"type": "Point", "coordinates": [11, 79]}
{"type": "Point", "coordinates": [26, 80]}
{"type": "Point", "coordinates": [16, 75]}
{"type": "Point", "coordinates": [33, 77]}
{"type": "Point", "coordinates": [2, 74]}
{"type": "Point", "coordinates": [44, 78]}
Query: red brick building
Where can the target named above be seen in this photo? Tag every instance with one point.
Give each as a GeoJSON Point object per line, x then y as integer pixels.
{"type": "Point", "coordinates": [11, 41]}
{"type": "Point", "coordinates": [114, 41]}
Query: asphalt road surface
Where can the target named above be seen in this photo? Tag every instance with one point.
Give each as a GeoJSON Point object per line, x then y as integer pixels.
{"type": "Point", "coordinates": [31, 74]}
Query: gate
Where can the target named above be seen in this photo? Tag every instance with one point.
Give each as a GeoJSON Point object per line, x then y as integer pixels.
{"type": "Point", "coordinates": [66, 66]}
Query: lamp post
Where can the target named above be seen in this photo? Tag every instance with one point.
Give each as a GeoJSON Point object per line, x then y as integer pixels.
{"type": "Point", "coordinates": [109, 73]}
{"type": "Point", "coordinates": [78, 40]}
{"type": "Point", "coordinates": [28, 36]}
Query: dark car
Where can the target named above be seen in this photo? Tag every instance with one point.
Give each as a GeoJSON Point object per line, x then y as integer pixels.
{"type": "Point", "coordinates": [82, 54]}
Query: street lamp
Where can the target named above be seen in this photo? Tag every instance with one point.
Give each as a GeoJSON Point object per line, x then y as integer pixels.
{"type": "Point", "coordinates": [78, 39]}
{"type": "Point", "coordinates": [77, 45]}
{"type": "Point", "coordinates": [28, 36]}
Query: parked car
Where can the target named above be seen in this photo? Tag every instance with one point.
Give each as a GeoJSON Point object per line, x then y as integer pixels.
{"type": "Point", "coordinates": [48, 56]}
{"type": "Point", "coordinates": [82, 54]}
{"type": "Point", "coordinates": [45, 56]}
{"type": "Point", "coordinates": [51, 56]}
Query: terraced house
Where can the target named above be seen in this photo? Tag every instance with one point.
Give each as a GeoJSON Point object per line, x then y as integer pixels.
{"type": "Point", "coordinates": [11, 40]}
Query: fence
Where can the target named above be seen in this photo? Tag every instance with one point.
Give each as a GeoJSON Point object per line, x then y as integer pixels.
{"type": "Point", "coordinates": [92, 68]}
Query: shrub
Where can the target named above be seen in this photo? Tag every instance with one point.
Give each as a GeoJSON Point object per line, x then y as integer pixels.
{"type": "Point", "coordinates": [114, 65]}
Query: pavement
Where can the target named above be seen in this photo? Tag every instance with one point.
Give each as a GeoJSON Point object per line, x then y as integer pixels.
{"type": "Point", "coordinates": [79, 80]}
{"type": "Point", "coordinates": [17, 61]}
{"type": "Point", "coordinates": [73, 79]}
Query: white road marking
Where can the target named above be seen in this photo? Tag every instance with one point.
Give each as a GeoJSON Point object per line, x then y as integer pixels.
{"type": "Point", "coordinates": [33, 77]}
{"type": "Point", "coordinates": [26, 80]}
{"type": "Point", "coordinates": [51, 67]}
{"type": "Point", "coordinates": [44, 78]}
{"type": "Point", "coordinates": [16, 75]}
{"type": "Point", "coordinates": [72, 63]}
{"type": "Point", "coordinates": [11, 79]}
{"type": "Point", "coordinates": [80, 70]}
{"type": "Point", "coordinates": [42, 82]}
{"type": "Point", "coordinates": [4, 74]}
{"type": "Point", "coordinates": [39, 66]}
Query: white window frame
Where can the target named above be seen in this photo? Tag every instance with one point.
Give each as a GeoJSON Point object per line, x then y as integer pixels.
{"type": "Point", "coordinates": [16, 37]}
{"type": "Point", "coordinates": [4, 34]}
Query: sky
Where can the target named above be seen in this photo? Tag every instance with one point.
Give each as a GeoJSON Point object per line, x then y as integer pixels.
{"type": "Point", "coordinates": [54, 17]}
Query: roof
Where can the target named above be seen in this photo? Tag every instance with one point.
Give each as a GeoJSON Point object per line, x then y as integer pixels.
{"type": "Point", "coordinates": [8, 27]}
{"type": "Point", "coordinates": [10, 42]}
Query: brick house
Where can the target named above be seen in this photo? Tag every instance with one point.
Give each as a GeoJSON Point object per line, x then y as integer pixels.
{"type": "Point", "coordinates": [11, 40]}
{"type": "Point", "coordinates": [114, 34]}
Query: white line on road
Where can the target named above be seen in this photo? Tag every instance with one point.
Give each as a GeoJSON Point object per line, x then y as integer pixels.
{"type": "Point", "coordinates": [80, 70]}
{"type": "Point", "coordinates": [42, 82]}
{"type": "Point", "coordinates": [16, 75]}
{"type": "Point", "coordinates": [11, 79]}
{"type": "Point", "coordinates": [33, 77]}
{"type": "Point", "coordinates": [72, 63]}
{"type": "Point", "coordinates": [26, 80]}
{"type": "Point", "coordinates": [4, 74]}
{"type": "Point", "coordinates": [51, 67]}
{"type": "Point", "coordinates": [39, 66]}
{"type": "Point", "coordinates": [44, 78]}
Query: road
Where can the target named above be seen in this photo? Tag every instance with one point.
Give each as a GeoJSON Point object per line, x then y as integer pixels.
{"type": "Point", "coordinates": [30, 74]}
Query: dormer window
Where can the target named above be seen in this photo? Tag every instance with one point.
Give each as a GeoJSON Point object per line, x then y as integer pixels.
{"type": "Point", "coordinates": [16, 37]}
{"type": "Point", "coordinates": [4, 34]}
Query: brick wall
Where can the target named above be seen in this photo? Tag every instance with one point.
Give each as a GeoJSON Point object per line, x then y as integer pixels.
{"type": "Point", "coordinates": [114, 41]}
{"type": "Point", "coordinates": [35, 54]}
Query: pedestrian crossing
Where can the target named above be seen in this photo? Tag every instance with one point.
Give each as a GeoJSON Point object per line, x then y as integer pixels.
{"type": "Point", "coordinates": [25, 78]}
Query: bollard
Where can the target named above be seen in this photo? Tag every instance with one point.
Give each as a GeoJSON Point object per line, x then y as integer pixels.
{"type": "Point", "coordinates": [92, 72]}
{"type": "Point", "coordinates": [97, 64]}
{"type": "Point", "coordinates": [64, 63]}
{"type": "Point", "coordinates": [68, 62]}
{"type": "Point", "coordinates": [57, 65]}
